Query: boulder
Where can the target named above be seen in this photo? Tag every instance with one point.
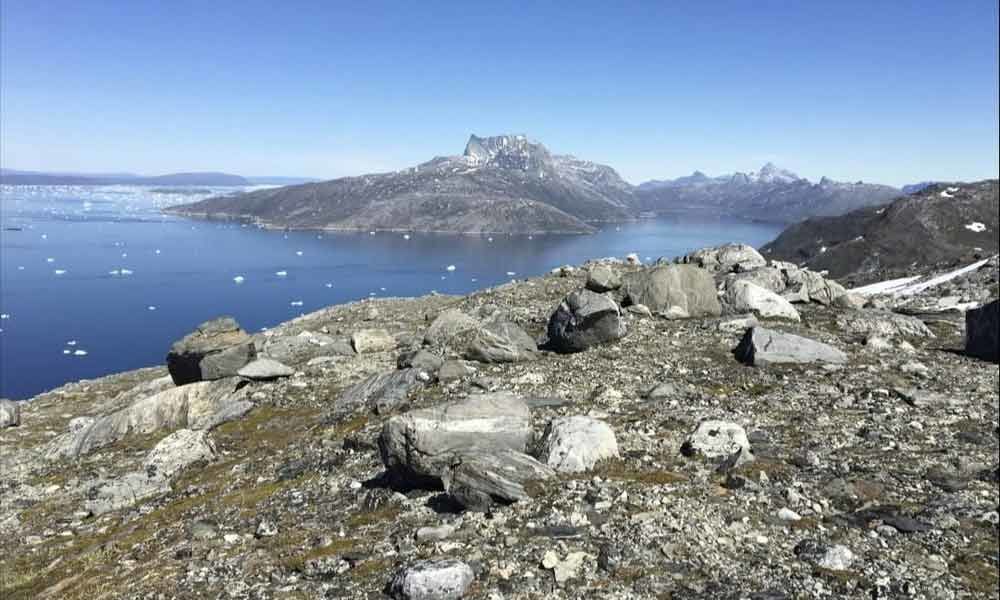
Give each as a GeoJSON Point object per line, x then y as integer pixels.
{"type": "Point", "coordinates": [726, 258]}
{"type": "Point", "coordinates": [453, 370]}
{"type": "Point", "coordinates": [216, 349]}
{"type": "Point", "coordinates": [864, 324]}
{"type": "Point", "coordinates": [381, 393]}
{"type": "Point", "coordinates": [762, 347]}
{"type": "Point", "coordinates": [447, 325]}
{"type": "Point", "coordinates": [178, 450]}
{"type": "Point", "coordinates": [575, 444]}
{"type": "Point", "coordinates": [603, 278]}
{"type": "Point", "coordinates": [743, 296]}
{"type": "Point", "coordinates": [769, 278]}
{"type": "Point", "coordinates": [584, 319]}
{"type": "Point", "coordinates": [982, 332]}
{"type": "Point", "coordinates": [446, 579]}
{"type": "Point", "coordinates": [201, 405]}
{"type": "Point", "coordinates": [804, 285]}
{"type": "Point", "coordinates": [10, 413]}
{"type": "Point", "coordinates": [480, 479]}
{"type": "Point", "coordinates": [423, 360]}
{"type": "Point", "coordinates": [500, 341]}
{"type": "Point", "coordinates": [367, 341]}
{"type": "Point", "coordinates": [301, 348]}
{"type": "Point", "coordinates": [124, 491]}
{"type": "Point", "coordinates": [850, 301]}
{"type": "Point", "coordinates": [718, 439]}
{"type": "Point", "coordinates": [421, 444]}
{"type": "Point", "coordinates": [678, 290]}
{"type": "Point", "coordinates": [264, 369]}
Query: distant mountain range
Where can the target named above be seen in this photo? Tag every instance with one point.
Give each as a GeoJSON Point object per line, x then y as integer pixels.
{"type": "Point", "coordinates": [941, 223]}
{"type": "Point", "coordinates": [502, 184]}
{"type": "Point", "coordinates": [508, 184]}
{"type": "Point", "coordinates": [771, 194]}
{"type": "Point", "coordinates": [13, 177]}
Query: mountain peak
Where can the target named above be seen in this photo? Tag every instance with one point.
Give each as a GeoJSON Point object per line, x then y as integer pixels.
{"type": "Point", "coordinates": [770, 173]}
{"type": "Point", "coordinates": [506, 151]}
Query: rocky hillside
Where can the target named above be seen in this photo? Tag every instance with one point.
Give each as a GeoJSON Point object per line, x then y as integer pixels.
{"type": "Point", "coordinates": [771, 194]}
{"type": "Point", "coordinates": [941, 224]}
{"type": "Point", "coordinates": [720, 427]}
{"type": "Point", "coordinates": [503, 184]}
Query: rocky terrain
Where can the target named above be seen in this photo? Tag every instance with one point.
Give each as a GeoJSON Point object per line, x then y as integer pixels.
{"type": "Point", "coordinates": [502, 184]}
{"type": "Point", "coordinates": [941, 225]}
{"type": "Point", "coordinates": [771, 194]}
{"type": "Point", "coordinates": [717, 426]}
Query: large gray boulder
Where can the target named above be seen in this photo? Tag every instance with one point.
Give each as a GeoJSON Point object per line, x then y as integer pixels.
{"type": "Point", "coordinates": [982, 331]}
{"type": "Point", "coordinates": [762, 347]}
{"type": "Point", "coordinates": [216, 349]}
{"type": "Point", "coordinates": [603, 278]}
{"type": "Point", "coordinates": [500, 341]}
{"type": "Point", "coordinates": [584, 319]}
{"type": "Point", "coordinates": [10, 414]}
{"type": "Point", "coordinates": [575, 444]}
{"type": "Point", "coordinates": [445, 579]}
{"type": "Point", "coordinates": [381, 393]}
{"type": "Point", "coordinates": [201, 405]}
{"type": "Point", "coordinates": [803, 285]}
{"type": "Point", "coordinates": [742, 296]}
{"type": "Point", "coordinates": [863, 324]}
{"type": "Point", "coordinates": [447, 325]}
{"type": "Point", "coordinates": [480, 479]}
{"type": "Point", "coordinates": [718, 439]}
{"type": "Point", "coordinates": [367, 341]}
{"type": "Point", "coordinates": [675, 290]}
{"type": "Point", "coordinates": [769, 278]}
{"type": "Point", "coordinates": [726, 258]}
{"type": "Point", "coordinates": [420, 445]}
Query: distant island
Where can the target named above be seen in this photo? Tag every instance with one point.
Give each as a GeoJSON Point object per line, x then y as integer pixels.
{"type": "Point", "coordinates": [10, 177]}
{"type": "Point", "coordinates": [509, 184]}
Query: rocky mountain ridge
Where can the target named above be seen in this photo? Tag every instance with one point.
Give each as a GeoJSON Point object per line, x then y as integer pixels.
{"type": "Point", "coordinates": [941, 225]}
{"type": "Point", "coordinates": [716, 426]}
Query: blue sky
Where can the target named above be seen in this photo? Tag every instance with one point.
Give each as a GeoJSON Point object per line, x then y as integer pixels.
{"type": "Point", "coordinates": [877, 91]}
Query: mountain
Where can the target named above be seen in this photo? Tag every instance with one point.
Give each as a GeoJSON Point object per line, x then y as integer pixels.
{"type": "Point", "coordinates": [10, 177]}
{"type": "Point", "coordinates": [772, 194]}
{"type": "Point", "coordinates": [279, 180]}
{"type": "Point", "coordinates": [942, 223]}
{"type": "Point", "coordinates": [501, 184]}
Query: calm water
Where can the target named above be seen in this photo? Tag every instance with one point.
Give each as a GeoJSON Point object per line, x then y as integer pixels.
{"type": "Point", "coordinates": [97, 280]}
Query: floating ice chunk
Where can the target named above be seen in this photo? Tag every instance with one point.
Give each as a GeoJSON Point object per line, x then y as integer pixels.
{"type": "Point", "coordinates": [127, 271]}
{"type": "Point", "coordinates": [157, 251]}
{"type": "Point", "coordinates": [298, 253]}
{"type": "Point", "coordinates": [67, 351]}
{"type": "Point", "coordinates": [281, 273]}
{"type": "Point", "coordinates": [381, 289]}
{"type": "Point", "coordinates": [150, 307]}
{"type": "Point", "coordinates": [406, 236]}
{"type": "Point", "coordinates": [80, 353]}
{"type": "Point", "coordinates": [489, 239]}
{"type": "Point", "coordinates": [976, 227]}
{"type": "Point", "coordinates": [531, 237]}
{"type": "Point", "coordinates": [296, 303]}
{"type": "Point", "coordinates": [371, 233]}
{"type": "Point", "coordinates": [239, 279]}
{"type": "Point", "coordinates": [71, 343]}
{"type": "Point", "coordinates": [45, 236]}
{"type": "Point", "coordinates": [4, 316]}
{"type": "Point", "coordinates": [511, 273]}
{"type": "Point", "coordinates": [20, 267]}
{"type": "Point", "coordinates": [114, 272]}
{"type": "Point", "coordinates": [473, 280]}
{"type": "Point", "coordinates": [450, 268]}
{"type": "Point", "coordinates": [60, 271]}
{"type": "Point", "coordinates": [822, 250]}
{"type": "Point", "coordinates": [124, 254]}
{"type": "Point", "coordinates": [329, 285]}
{"type": "Point", "coordinates": [50, 260]}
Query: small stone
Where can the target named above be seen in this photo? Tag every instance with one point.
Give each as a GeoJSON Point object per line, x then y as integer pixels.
{"type": "Point", "coordinates": [787, 514]}
{"type": "Point", "coordinates": [266, 529]}
{"type": "Point", "coordinates": [563, 569]}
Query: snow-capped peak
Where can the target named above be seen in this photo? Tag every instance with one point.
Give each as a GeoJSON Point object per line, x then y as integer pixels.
{"type": "Point", "coordinates": [770, 173]}
{"type": "Point", "coordinates": [506, 151]}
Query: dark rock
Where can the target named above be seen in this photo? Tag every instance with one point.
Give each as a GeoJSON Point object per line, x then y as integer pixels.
{"type": "Point", "coordinates": [982, 331]}
{"type": "Point", "coordinates": [217, 349]}
{"type": "Point", "coordinates": [478, 480]}
{"type": "Point", "coordinates": [584, 319]}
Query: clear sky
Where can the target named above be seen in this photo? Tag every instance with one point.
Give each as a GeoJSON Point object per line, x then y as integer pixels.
{"type": "Point", "coordinates": [891, 92]}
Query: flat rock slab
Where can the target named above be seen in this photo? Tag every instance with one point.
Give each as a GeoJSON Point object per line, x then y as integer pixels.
{"type": "Point", "coordinates": [762, 347]}
{"type": "Point", "coordinates": [265, 369]}
{"type": "Point", "coordinates": [862, 324]}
